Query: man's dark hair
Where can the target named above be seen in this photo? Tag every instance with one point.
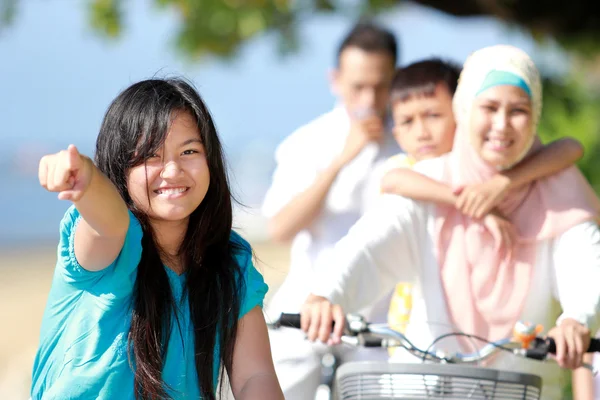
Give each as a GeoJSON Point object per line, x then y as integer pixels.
{"type": "Point", "coordinates": [421, 78]}
{"type": "Point", "coordinates": [370, 38]}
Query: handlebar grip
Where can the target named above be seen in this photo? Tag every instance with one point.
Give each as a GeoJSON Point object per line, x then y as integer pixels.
{"type": "Point", "coordinates": [289, 320]}
{"type": "Point", "coordinates": [373, 342]}
{"type": "Point", "coordinates": [594, 346]}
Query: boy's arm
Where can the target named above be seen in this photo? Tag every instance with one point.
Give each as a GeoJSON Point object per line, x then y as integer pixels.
{"type": "Point", "coordinates": [548, 160]}
{"type": "Point", "coordinates": [408, 183]}
{"type": "Point", "coordinates": [479, 199]}
{"type": "Point", "coordinates": [411, 184]}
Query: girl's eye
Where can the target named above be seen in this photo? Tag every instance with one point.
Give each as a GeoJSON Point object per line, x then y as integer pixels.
{"type": "Point", "coordinates": [190, 151]}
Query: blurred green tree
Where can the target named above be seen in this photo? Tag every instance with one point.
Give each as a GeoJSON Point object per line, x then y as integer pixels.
{"type": "Point", "coordinates": [571, 109]}
{"type": "Point", "coordinates": [220, 27]}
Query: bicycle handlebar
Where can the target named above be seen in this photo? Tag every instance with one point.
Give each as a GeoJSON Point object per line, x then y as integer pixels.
{"type": "Point", "coordinates": [289, 320]}
{"type": "Point", "coordinates": [362, 333]}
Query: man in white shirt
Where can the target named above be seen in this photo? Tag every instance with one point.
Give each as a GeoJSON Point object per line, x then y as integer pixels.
{"type": "Point", "coordinates": [323, 176]}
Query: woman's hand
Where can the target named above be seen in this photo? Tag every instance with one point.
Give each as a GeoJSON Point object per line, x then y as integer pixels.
{"type": "Point", "coordinates": [501, 229]}
{"type": "Point", "coordinates": [477, 200]}
{"type": "Point", "coordinates": [318, 316]}
{"type": "Point", "coordinates": [572, 340]}
{"type": "Point", "coordinates": [66, 172]}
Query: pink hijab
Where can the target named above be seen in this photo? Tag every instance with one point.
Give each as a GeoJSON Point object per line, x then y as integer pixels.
{"type": "Point", "coordinates": [485, 285]}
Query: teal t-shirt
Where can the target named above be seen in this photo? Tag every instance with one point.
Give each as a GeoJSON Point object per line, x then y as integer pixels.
{"type": "Point", "coordinates": [83, 344]}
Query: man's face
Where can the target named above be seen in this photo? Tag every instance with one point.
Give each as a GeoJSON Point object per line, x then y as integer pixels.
{"type": "Point", "coordinates": [424, 126]}
{"type": "Point", "coordinates": [362, 81]}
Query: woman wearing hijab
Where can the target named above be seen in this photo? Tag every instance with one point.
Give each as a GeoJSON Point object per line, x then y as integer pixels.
{"type": "Point", "coordinates": [466, 279]}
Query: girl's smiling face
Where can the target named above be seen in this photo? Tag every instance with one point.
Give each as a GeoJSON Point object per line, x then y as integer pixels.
{"type": "Point", "coordinates": [172, 183]}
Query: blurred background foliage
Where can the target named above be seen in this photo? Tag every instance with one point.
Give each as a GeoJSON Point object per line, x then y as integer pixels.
{"type": "Point", "coordinates": [219, 28]}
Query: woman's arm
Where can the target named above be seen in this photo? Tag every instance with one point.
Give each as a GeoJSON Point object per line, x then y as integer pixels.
{"type": "Point", "coordinates": [576, 263]}
{"type": "Point", "coordinates": [100, 234]}
{"type": "Point", "coordinates": [253, 375]}
{"type": "Point", "coordinates": [583, 381]}
{"type": "Point", "coordinates": [382, 248]}
{"type": "Point", "coordinates": [408, 183]}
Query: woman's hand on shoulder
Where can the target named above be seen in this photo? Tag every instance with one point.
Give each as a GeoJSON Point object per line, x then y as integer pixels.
{"type": "Point", "coordinates": [67, 172]}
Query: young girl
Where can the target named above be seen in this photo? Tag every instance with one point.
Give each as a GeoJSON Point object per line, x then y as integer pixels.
{"type": "Point", "coordinates": [153, 293]}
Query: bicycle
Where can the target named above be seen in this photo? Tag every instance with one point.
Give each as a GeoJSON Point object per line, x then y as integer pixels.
{"type": "Point", "coordinates": [442, 380]}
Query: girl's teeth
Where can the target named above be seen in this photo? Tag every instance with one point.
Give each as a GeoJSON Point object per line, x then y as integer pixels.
{"type": "Point", "coordinates": [171, 191]}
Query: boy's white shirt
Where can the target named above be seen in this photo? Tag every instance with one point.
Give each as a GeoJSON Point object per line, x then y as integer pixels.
{"type": "Point", "coordinates": [300, 158]}
{"type": "Point", "coordinates": [400, 160]}
{"type": "Point", "coordinates": [393, 242]}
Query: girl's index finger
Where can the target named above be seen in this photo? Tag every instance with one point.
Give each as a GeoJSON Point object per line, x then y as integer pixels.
{"type": "Point", "coordinates": [74, 159]}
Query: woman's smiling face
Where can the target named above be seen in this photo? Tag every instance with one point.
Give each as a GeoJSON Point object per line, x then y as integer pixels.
{"type": "Point", "coordinates": [501, 125]}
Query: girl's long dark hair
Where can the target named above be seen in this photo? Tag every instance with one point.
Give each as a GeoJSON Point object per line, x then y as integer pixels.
{"type": "Point", "coordinates": [134, 127]}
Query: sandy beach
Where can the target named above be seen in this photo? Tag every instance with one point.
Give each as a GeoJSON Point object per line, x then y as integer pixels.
{"type": "Point", "coordinates": [26, 278]}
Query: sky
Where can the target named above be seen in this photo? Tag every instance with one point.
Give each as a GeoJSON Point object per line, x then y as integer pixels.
{"type": "Point", "coordinates": [57, 78]}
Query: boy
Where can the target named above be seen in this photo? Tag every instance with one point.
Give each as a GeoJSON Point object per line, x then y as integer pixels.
{"type": "Point", "coordinates": [424, 126]}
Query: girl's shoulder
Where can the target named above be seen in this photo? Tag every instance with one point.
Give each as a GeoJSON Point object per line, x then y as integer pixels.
{"type": "Point", "coordinates": [253, 287]}
{"type": "Point", "coordinates": [240, 247]}
{"type": "Point", "coordinates": [238, 241]}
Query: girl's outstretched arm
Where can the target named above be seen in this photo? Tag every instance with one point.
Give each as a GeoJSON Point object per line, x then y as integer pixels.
{"type": "Point", "coordinates": [100, 233]}
{"type": "Point", "coordinates": [253, 375]}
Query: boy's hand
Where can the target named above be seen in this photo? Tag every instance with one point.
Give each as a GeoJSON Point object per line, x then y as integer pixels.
{"type": "Point", "coordinates": [502, 230]}
{"type": "Point", "coordinates": [66, 172]}
{"type": "Point", "coordinates": [476, 201]}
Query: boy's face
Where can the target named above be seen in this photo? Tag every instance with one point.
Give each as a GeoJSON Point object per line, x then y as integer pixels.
{"type": "Point", "coordinates": [424, 125]}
